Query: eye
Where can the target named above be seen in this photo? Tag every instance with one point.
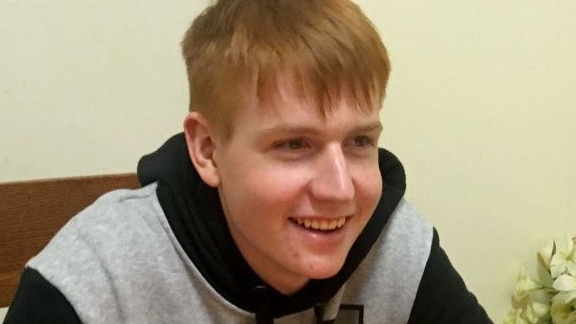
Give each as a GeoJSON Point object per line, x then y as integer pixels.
{"type": "Point", "coordinates": [293, 149]}
{"type": "Point", "coordinates": [293, 144]}
{"type": "Point", "coordinates": [362, 141]}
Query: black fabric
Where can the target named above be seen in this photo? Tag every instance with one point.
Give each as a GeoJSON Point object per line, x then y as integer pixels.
{"type": "Point", "coordinates": [442, 294]}
{"type": "Point", "coordinates": [38, 302]}
{"type": "Point", "coordinates": [195, 215]}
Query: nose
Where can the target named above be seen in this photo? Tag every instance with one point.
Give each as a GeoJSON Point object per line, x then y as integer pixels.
{"type": "Point", "coordinates": [332, 179]}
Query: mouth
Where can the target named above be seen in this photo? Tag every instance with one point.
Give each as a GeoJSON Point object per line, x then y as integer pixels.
{"type": "Point", "coordinates": [320, 225]}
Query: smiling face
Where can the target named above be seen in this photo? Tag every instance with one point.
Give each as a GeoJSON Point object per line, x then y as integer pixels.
{"type": "Point", "coordinates": [297, 187]}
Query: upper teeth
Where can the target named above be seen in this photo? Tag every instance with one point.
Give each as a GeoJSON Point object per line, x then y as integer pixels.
{"type": "Point", "coordinates": [323, 225]}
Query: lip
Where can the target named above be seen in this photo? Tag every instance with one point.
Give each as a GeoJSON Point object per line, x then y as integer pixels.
{"type": "Point", "coordinates": [321, 241]}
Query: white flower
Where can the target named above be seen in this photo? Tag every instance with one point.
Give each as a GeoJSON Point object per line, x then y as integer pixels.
{"type": "Point", "coordinates": [565, 283]}
{"type": "Point", "coordinates": [545, 254]}
{"type": "Point", "coordinates": [536, 312]}
{"type": "Point", "coordinates": [563, 310]}
{"type": "Point", "coordinates": [551, 296]}
{"type": "Point", "coordinates": [532, 313]}
{"type": "Point", "coordinates": [563, 259]}
{"type": "Point", "coordinates": [515, 317]}
{"type": "Point", "coordinates": [525, 285]}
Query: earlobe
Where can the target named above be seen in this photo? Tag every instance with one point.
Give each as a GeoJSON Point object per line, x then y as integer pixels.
{"type": "Point", "coordinates": [201, 147]}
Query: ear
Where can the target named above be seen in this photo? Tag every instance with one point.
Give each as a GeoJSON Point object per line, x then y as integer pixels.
{"type": "Point", "coordinates": [201, 146]}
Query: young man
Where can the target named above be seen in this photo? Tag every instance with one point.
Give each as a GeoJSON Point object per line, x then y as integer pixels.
{"type": "Point", "coordinates": [275, 205]}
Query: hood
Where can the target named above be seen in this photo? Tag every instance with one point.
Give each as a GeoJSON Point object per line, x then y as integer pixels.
{"type": "Point", "coordinates": [196, 217]}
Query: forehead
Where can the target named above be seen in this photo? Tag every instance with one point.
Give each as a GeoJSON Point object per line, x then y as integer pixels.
{"type": "Point", "coordinates": [284, 102]}
{"type": "Point", "coordinates": [289, 113]}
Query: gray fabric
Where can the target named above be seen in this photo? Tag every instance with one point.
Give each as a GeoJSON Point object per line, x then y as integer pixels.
{"type": "Point", "coordinates": [119, 262]}
{"type": "Point", "coordinates": [387, 280]}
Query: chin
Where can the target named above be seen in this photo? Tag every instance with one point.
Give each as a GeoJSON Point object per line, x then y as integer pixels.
{"type": "Point", "coordinates": [324, 270]}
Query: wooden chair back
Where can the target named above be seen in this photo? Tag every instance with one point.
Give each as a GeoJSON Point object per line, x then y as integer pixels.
{"type": "Point", "coordinates": [31, 212]}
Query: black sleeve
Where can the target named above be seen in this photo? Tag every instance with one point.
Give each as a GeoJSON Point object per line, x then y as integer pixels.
{"type": "Point", "coordinates": [38, 302]}
{"type": "Point", "coordinates": [442, 295]}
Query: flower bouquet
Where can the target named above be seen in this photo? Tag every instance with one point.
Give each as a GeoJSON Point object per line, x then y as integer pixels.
{"type": "Point", "coordinates": [550, 296]}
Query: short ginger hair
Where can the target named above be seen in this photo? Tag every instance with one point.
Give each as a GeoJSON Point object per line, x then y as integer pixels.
{"type": "Point", "coordinates": [236, 51]}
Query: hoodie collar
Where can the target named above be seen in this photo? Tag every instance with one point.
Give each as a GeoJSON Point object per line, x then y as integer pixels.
{"type": "Point", "coordinates": [195, 215]}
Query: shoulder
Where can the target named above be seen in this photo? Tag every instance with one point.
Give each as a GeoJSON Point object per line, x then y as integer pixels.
{"type": "Point", "coordinates": [99, 250]}
{"type": "Point", "coordinates": [114, 223]}
{"type": "Point", "coordinates": [112, 205]}
{"type": "Point", "coordinates": [106, 220]}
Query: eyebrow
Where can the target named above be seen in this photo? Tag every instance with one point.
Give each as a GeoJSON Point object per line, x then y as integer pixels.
{"type": "Point", "coordinates": [371, 127]}
{"type": "Point", "coordinates": [299, 129]}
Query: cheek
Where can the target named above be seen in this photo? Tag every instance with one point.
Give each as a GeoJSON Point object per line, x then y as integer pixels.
{"type": "Point", "coordinates": [369, 188]}
{"type": "Point", "coordinates": [272, 188]}
{"type": "Point", "coordinates": [261, 199]}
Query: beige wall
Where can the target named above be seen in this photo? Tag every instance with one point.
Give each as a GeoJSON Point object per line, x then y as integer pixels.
{"type": "Point", "coordinates": [480, 109]}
